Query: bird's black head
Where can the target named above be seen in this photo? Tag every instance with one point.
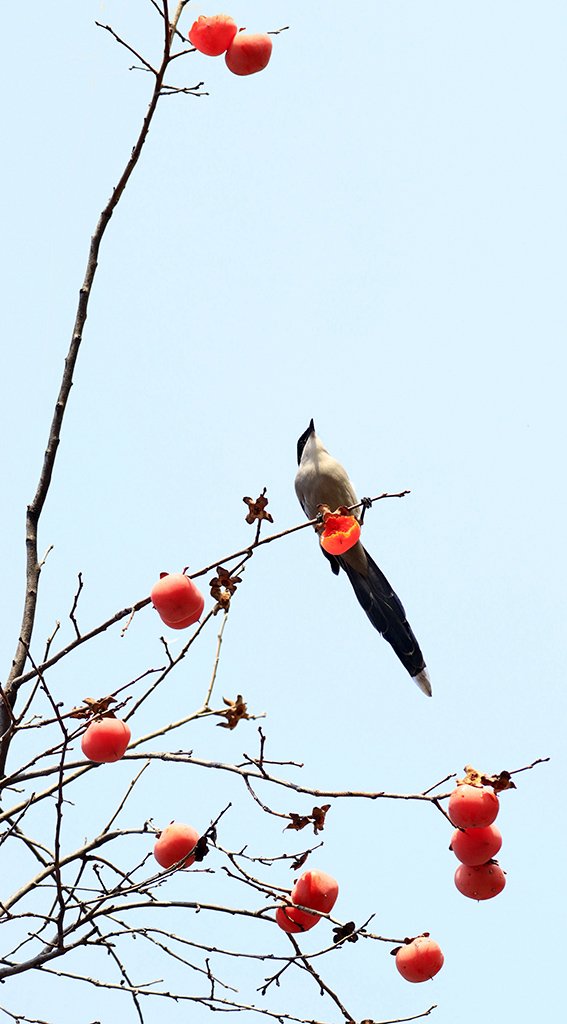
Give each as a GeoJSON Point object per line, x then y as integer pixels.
{"type": "Point", "coordinates": [303, 440]}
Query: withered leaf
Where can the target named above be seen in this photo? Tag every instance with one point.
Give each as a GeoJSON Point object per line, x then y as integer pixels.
{"type": "Point", "coordinates": [257, 509]}
{"type": "Point", "coordinates": [224, 580]}
{"type": "Point", "coordinates": [235, 711]}
{"type": "Point", "coordinates": [201, 850]}
{"type": "Point", "coordinates": [316, 818]}
{"type": "Point", "coordinates": [298, 821]}
{"type": "Point", "coordinates": [299, 862]}
{"type": "Point", "coordinates": [223, 586]}
{"type": "Point", "coordinates": [223, 602]}
{"type": "Point", "coordinates": [92, 707]}
{"type": "Point", "coordinates": [318, 814]}
{"type": "Point", "coordinates": [344, 932]}
{"type": "Point", "coordinates": [479, 779]}
{"type": "Point", "coordinates": [499, 782]}
{"type": "Point", "coordinates": [472, 777]}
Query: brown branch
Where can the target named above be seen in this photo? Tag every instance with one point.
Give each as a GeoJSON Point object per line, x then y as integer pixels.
{"type": "Point", "coordinates": [79, 854]}
{"type": "Point", "coordinates": [268, 810]}
{"type": "Point", "coordinates": [50, 640]}
{"type": "Point", "coordinates": [58, 818]}
{"type": "Point", "coordinates": [26, 676]}
{"type": "Point", "coordinates": [540, 760]}
{"type": "Point", "coordinates": [440, 783]}
{"type": "Point", "coordinates": [323, 987]}
{"type": "Point", "coordinates": [74, 608]}
{"type": "Point", "coordinates": [80, 767]}
{"type": "Point", "coordinates": [172, 90]}
{"type": "Point", "coordinates": [53, 951]}
{"type": "Point", "coordinates": [33, 566]}
{"type": "Point", "coordinates": [285, 783]}
{"type": "Point", "coordinates": [172, 663]}
{"type": "Point", "coordinates": [247, 551]}
{"type": "Point", "coordinates": [128, 47]}
{"type": "Point", "coordinates": [216, 662]}
{"type": "Point", "coordinates": [125, 797]}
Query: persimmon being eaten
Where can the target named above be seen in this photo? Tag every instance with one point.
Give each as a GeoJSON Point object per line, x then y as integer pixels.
{"type": "Point", "coordinates": [340, 533]}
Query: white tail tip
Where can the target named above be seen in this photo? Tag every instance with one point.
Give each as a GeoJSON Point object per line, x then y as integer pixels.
{"type": "Point", "coordinates": [424, 682]}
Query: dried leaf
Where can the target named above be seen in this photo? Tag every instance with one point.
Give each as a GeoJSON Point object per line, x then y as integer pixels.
{"type": "Point", "coordinates": [256, 509]}
{"type": "Point", "coordinates": [235, 711]}
{"type": "Point", "coordinates": [316, 818]}
{"type": "Point", "coordinates": [499, 782]}
{"type": "Point", "coordinates": [224, 580]}
{"type": "Point", "coordinates": [318, 814]}
{"type": "Point", "coordinates": [92, 707]}
{"type": "Point", "coordinates": [223, 586]}
{"type": "Point", "coordinates": [297, 822]}
{"type": "Point", "coordinates": [299, 862]}
{"type": "Point", "coordinates": [201, 850]}
{"type": "Point", "coordinates": [344, 932]}
{"type": "Point", "coordinates": [478, 779]}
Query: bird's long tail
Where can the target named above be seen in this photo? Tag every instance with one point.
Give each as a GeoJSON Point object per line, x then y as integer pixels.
{"type": "Point", "coordinates": [387, 615]}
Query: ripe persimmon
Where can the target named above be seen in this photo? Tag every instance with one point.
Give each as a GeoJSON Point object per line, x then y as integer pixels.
{"type": "Point", "coordinates": [420, 959]}
{"type": "Point", "coordinates": [213, 34]}
{"type": "Point", "coordinates": [481, 881]}
{"type": "Point", "coordinates": [105, 739]}
{"type": "Point", "coordinates": [476, 845]}
{"type": "Point", "coordinates": [292, 919]}
{"type": "Point", "coordinates": [248, 53]}
{"type": "Point", "coordinates": [315, 890]}
{"type": "Point", "coordinates": [177, 600]}
{"type": "Point", "coordinates": [174, 842]}
{"type": "Point", "coordinates": [473, 806]}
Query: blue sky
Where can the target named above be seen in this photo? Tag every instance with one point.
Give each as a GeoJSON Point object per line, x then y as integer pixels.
{"type": "Point", "coordinates": [371, 233]}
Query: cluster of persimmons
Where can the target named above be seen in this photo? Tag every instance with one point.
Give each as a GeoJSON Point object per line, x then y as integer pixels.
{"type": "Point", "coordinates": [472, 807]}
{"type": "Point", "coordinates": [245, 52]}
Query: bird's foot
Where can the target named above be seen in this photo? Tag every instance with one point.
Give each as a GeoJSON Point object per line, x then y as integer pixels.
{"type": "Point", "coordinates": [366, 503]}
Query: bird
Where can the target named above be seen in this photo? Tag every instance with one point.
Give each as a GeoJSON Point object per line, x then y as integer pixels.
{"type": "Point", "coordinates": [321, 480]}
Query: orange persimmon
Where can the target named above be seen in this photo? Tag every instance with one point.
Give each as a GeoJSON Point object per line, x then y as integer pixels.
{"type": "Point", "coordinates": [248, 53]}
{"type": "Point", "coordinates": [212, 34]}
{"type": "Point", "coordinates": [340, 533]}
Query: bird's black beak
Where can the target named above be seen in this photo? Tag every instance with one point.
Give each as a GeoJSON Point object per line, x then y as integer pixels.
{"type": "Point", "coordinates": [303, 440]}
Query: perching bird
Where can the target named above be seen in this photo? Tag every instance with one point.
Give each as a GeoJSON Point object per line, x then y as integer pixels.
{"type": "Point", "coordinates": [321, 480]}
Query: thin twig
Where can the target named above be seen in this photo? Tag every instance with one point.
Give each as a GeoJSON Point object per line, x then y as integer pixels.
{"type": "Point", "coordinates": [33, 566]}
{"type": "Point", "coordinates": [125, 797]}
{"type": "Point", "coordinates": [323, 987]}
{"type": "Point", "coordinates": [216, 662]}
{"type": "Point", "coordinates": [128, 47]}
{"type": "Point", "coordinates": [74, 608]}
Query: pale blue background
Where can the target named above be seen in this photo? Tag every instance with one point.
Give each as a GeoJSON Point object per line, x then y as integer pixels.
{"type": "Point", "coordinates": [371, 232]}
